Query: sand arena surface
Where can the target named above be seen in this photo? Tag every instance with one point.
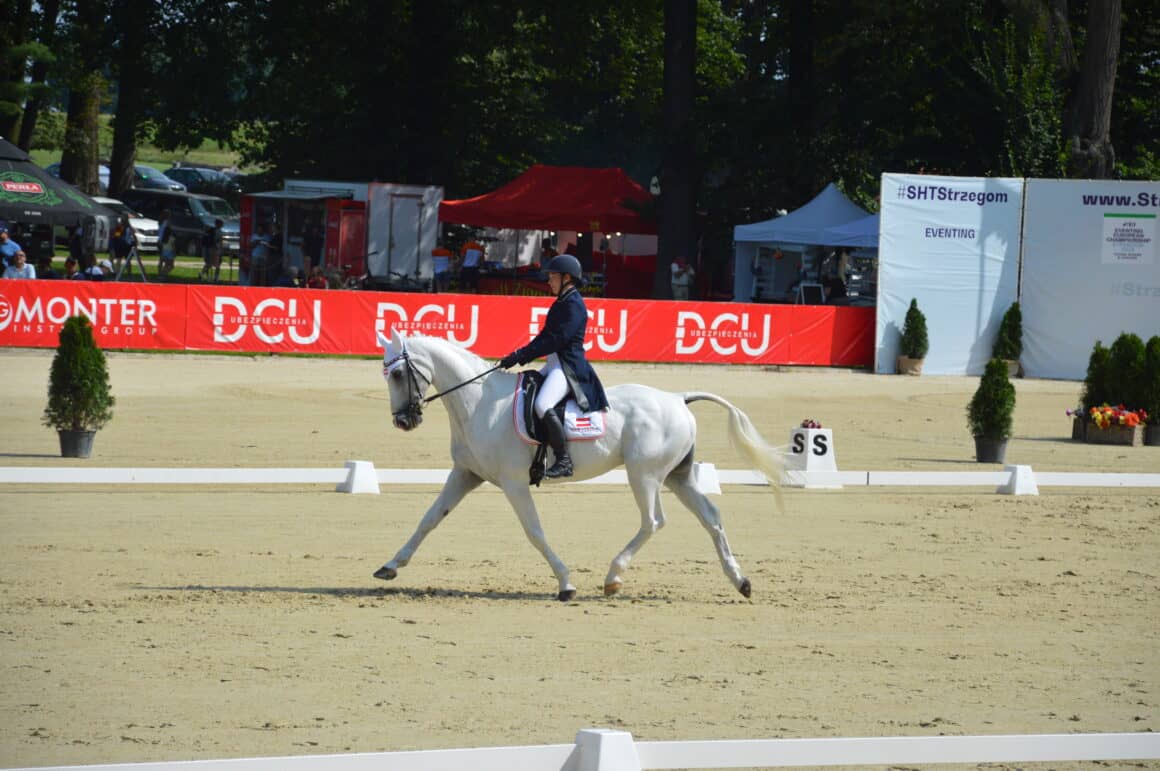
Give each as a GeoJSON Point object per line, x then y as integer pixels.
{"type": "Point", "coordinates": [172, 623]}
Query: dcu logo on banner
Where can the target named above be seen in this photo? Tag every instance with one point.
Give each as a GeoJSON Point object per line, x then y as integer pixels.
{"type": "Point", "coordinates": [724, 333]}
{"type": "Point", "coordinates": [271, 320]}
{"type": "Point", "coordinates": [601, 333]}
{"type": "Point", "coordinates": [431, 319]}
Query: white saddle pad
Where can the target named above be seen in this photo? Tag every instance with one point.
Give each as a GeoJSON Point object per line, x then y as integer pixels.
{"type": "Point", "coordinates": [578, 426]}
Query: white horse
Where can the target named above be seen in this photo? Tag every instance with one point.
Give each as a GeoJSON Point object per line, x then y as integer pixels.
{"type": "Point", "coordinates": [649, 432]}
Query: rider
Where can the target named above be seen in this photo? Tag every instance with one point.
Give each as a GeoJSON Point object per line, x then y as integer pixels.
{"type": "Point", "coordinates": [562, 341]}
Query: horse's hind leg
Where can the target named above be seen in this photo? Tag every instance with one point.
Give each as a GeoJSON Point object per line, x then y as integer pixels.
{"type": "Point", "coordinates": [681, 483]}
{"type": "Point", "coordinates": [647, 492]}
{"type": "Point", "coordinates": [459, 483]}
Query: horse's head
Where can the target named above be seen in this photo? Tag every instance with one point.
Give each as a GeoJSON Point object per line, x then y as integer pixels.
{"type": "Point", "coordinates": [406, 382]}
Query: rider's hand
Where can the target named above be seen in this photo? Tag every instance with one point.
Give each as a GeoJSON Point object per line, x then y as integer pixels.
{"type": "Point", "coordinates": [509, 361]}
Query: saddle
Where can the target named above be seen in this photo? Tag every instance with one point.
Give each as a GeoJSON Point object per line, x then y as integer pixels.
{"type": "Point", "coordinates": [578, 426]}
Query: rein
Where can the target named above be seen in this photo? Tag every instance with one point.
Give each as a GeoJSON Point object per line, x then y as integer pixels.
{"type": "Point", "coordinates": [415, 401]}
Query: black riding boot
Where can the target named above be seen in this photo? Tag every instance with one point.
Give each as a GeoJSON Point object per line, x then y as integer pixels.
{"type": "Point", "coordinates": [563, 465]}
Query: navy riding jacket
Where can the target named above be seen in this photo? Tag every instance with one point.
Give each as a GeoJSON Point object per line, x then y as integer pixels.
{"type": "Point", "coordinates": [563, 335]}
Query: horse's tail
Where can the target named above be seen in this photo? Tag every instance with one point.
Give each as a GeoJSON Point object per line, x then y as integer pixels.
{"type": "Point", "coordinates": [744, 437]}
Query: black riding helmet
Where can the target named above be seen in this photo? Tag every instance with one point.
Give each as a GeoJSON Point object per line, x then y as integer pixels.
{"type": "Point", "coordinates": [566, 263]}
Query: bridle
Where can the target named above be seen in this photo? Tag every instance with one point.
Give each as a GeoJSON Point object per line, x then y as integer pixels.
{"type": "Point", "coordinates": [413, 411]}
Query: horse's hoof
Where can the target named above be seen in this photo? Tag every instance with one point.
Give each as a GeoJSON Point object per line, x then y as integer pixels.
{"type": "Point", "coordinates": [566, 595]}
{"type": "Point", "coordinates": [386, 573]}
{"type": "Point", "coordinates": [746, 588]}
{"type": "Point", "coordinates": [611, 589]}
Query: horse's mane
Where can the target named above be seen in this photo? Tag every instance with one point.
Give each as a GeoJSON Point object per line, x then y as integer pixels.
{"type": "Point", "coordinates": [476, 362]}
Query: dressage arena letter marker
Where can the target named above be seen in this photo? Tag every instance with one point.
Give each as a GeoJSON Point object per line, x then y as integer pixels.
{"type": "Point", "coordinates": [812, 449]}
{"type": "Point", "coordinates": [360, 478]}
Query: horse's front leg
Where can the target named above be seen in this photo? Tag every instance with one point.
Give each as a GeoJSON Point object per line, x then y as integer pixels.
{"type": "Point", "coordinates": [519, 495]}
{"type": "Point", "coordinates": [459, 483]}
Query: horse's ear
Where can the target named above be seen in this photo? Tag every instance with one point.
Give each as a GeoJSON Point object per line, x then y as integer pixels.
{"type": "Point", "coordinates": [397, 340]}
{"type": "Point", "coordinates": [383, 342]}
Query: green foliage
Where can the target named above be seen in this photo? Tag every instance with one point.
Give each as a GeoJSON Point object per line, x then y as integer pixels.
{"type": "Point", "coordinates": [914, 343]}
{"type": "Point", "coordinates": [1009, 342]}
{"type": "Point", "coordinates": [1096, 388]}
{"type": "Point", "coordinates": [991, 412]}
{"type": "Point", "coordinates": [1151, 399]}
{"type": "Point", "coordinates": [78, 385]}
{"type": "Point", "coordinates": [1128, 373]}
{"type": "Point", "coordinates": [1126, 370]}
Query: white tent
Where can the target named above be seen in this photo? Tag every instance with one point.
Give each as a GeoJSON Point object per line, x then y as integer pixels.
{"type": "Point", "coordinates": [793, 235]}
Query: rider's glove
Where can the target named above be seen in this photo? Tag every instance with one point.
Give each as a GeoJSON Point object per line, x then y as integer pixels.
{"type": "Point", "coordinates": [509, 361]}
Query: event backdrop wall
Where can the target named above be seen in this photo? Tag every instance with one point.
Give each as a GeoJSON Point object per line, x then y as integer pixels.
{"type": "Point", "coordinates": [952, 243]}
{"type": "Point", "coordinates": [231, 318]}
{"type": "Point", "coordinates": [1090, 270]}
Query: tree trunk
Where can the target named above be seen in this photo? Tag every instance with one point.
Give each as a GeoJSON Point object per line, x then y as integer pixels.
{"type": "Point", "coordinates": [1088, 127]}
{"type": "Point", "coordinates": [132, 80]}
{"type": "Point", "coordinates": [78, 163]}
{"type": "Point", "coordinates": [36, 102]}
{"type": "Point", "coordinates": [677, 165]}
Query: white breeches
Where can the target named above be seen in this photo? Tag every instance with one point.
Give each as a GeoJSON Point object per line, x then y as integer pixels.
{"type": "Point", "coordinates": [555, 386]}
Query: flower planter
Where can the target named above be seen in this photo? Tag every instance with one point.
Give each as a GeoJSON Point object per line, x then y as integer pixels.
{"type": "Point", "coordinates": [1079, 429]}
{"type": "Point", "coordinates": [1014, 368]}
{"type": "Point", "coordinates": [1152, 436]}
{"type": "Point", "coordinates": [909, 366]}
{"type": "Point", "coordinates": [990, 450]}
{"type": "Point", "coordinates": [76, 444]}
{"type": "Point", "coordinates": [1133, 436]}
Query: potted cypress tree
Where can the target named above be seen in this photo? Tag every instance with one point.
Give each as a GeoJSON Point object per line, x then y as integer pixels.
{"type": "Point", "coordinates": [990, 413]}
{"type": "Point", "coordinates": [914, 343]}
{"type": "Point", "coordinates": [79, 401]}
{"type": "Point", "coordinates": [1009, 342]}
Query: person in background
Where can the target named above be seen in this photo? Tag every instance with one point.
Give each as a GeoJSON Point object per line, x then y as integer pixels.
{"type": "Point", "coordinates": [682, 278]}
{"type": "Point", "coordinates": [289, 278]}
{"type": "Point", "coordinates": [44, 267]}
{"type": "Point", "coordinates": [76, 244]}
{"type": "Point", "coordinates": [259, 256]}
{"type": "Point", "coordinates": [166, 246]}
{"type": "Point", "coordinates": [121, 243]}
{"type": "Point", "coordinates": [72, 269]}
{"type": "Point", "coordinates": [317, 280]}
{"type": "Point", "coordinates": [469, 271]}
{"type": "Point", "coordinates": [8, 247]}
{"type": "Point", "coordinates": [102, 271]}
{"type": "Point", "coordinates": [312, 242]}
{"type": "Point", "coordinates": [441, 262]}
{"type": "Point", "coordinates": [19, 267]}
{"type": "Point", "coordinates": [211, 252]}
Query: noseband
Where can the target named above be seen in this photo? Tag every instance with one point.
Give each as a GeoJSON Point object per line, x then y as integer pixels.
{"type": "Point", "coordinates": [413, 411]}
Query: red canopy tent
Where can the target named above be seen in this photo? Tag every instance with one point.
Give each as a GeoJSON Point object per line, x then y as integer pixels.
{"type": "Point", "coordinates": [557, 198]}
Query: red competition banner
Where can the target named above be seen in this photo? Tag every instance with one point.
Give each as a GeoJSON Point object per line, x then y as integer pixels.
{"type": "Point", "coordinates": [228, 318]}
{"type": "Point", "coordinates": [258, 319]}
{"type": "Point", "coordinates": [32, 313]}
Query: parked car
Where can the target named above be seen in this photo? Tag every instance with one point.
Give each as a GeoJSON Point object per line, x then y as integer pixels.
{"type": "Point", "coordinates": [202, 180]}
{"type": "Point", "coordinates": [102, 175]}
{"type": "Point", "coordinates": [151, 179]}
{"type": "Point", "coordinates": [190, 215]}
{"type": "Point", "coordinates": [143, 176]}
{"type": "Point", "coordinates": [144, 227]}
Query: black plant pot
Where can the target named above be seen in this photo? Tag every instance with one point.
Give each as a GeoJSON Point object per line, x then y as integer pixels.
{"type": "Point", "coordinates": [990, 450]}
{"type": "Point", "coordinates": [76, 444]}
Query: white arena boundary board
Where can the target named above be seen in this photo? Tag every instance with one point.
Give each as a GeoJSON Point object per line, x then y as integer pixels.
{"type": "Point", "coordinates": [362, 477]}
{"type": "Point", "coordinates": [613, 750]}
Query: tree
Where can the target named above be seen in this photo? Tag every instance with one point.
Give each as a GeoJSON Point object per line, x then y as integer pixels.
{"type": "Point", "coordinates": [1088, 118]}
{"type": "Point", "coordinates": [38, 89]}
{"type": "Point", "coordinates": [87, 86]}
{"type": "Point", "coordinates": [677, 165]}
